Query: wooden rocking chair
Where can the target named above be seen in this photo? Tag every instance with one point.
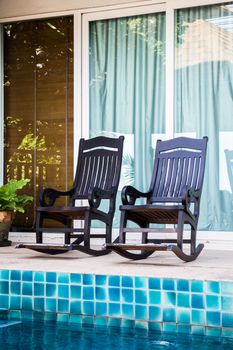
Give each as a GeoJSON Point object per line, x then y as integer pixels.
{"type": "Point", "coordinates": [173, 198]}
{"type": "Point", "coordinates": [97, 178]}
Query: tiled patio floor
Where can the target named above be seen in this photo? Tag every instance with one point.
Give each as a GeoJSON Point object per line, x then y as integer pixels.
{"type": "Point", "coordinates": [212, 264]}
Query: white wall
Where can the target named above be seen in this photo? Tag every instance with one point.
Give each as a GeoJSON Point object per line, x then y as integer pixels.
{"type": "Point", "coordinates": [13, 8]}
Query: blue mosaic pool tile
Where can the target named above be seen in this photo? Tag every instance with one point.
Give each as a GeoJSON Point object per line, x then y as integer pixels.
{"type": "Point", "coordinates": [213, 302]}
{"type": "Point", "coordinates": [183, 300]}
{"type": "Point", "coordinates": [155, 314]}
{"type": "Point", "coordinates": [227, 303]}
{"type": "Point", "coordinates": [183, 328]}
{"type": "Point", "coordinates": [88, 279]}
{"type": "Point", "coordinates": [169, 327]}
{"type": "Point", "coordinates": [155, 327]}
{"type": "Point", "coordinates": [169, 315]}
{"type": "Point", "coordinates": [51, 290]}
{"type": "Point", "coordinates": [227, 288]}
{"type": "Point", "coordinates": [212, 287]}
{"type": "Point", "coordinates": [227, 319]}
{"type": "Point", "coordinates": [14, 315]}
{"type": "Point", "coordinates": [4, 287]}
{"type": "Point", "coordinates": [197, 301]}
{"type": "Point", "coordinates": [114, 322]}
{"type": "Point", "coordinates": [168, 284]}
{"type": "Point", "coordinates": [101, 309]}
{"type": "Point", "coordinates": [141, 325]}
{"type": "Point", "coordinates": [75, 278]}
{"type": "Point", "coordinates": [27, 276]}
{"type": "Point", "coordinates": [39, 289]}
{"type": "Point", "coordinates": [141, 296]}
{"type": "Point", "coordinates": [128, 311]}
{"type": "Point", "coordinates": [63, 278]}
{"type": "Point", "coordinates": [4, 301]}
{"type": "Point", "coordinates": [63, 291]}
{"type": "Point", "coordinates": [101, 321]}
{"type": "Point", "coordinates": [15, 302]}
{"type": "Point", "coordinates": [141, 282]}
{"type": "Point", "coordinates": [213, 318]}
{"type": "Point", "coordinates": [48, 316]}
{"type": "Point", "coordinates": [63, 318]}
{"type": "Point", "coordinates": [27, 315]}
{"type": "Point", "coordinates": [39, 276]}
{"type": "Point", "coordinates": [39, 304]}
{"type": "Point", "coordinates": [100, 280]}
{"type": "Point", "coordinates": [114, 294]}
{"type": "Point", "coordinates": [26, 303]}
{"type": "Point", "coordinates": [4, 275]}
{"type": "Point", "coordinates": [198, 330]}
{"type": "Point", "coordinates": [154, 297]}
{"type": "Point", "coordinates": [197, 286]}
{"type": "Point", "coordinates": [127, 295]}
{"type": "Point", "coordinates": [127, 324]}
{"type": "Point", "coordinates": [88, 293]}
{"type": "Point", "coordinates": [213, 332]}
{"type": "Point", "coordinates": [227, 332]}
{"type": "Point", "coordinates": [198, 317]}
{"type": "Point", "coordinates": [154, 283]}
{"type": "Point", "coordinates": [75, 292]}
{"type": "Point", "coordinates": [26, 288]}
{"type": "Point", "coordinates": [51, 305]}
{"type": "Point", "coordinates": [75, 319]}
{"type": "Point", "coordinates": [88, 308]}
{"type": "Point", "coordinates": [183, 285]}
{"type": "Point", "coordinates": [127, 281]}
{"type": "Point", "coordinates": [39, 316]}
{"type": "Point", "coordinates": [63, 305]}
{"type": "Point", "coordinates": [15, 288]}
{"type": "Point", "coordinates": [100, 293]}
{"type": "Point", "coordinates": [88, 320]}
{"type": "Point", "coordinates": [114, 281]}
{"type": "Point", "coordinates": [183, 316]}
{"type": "Point", "coordinates": [15, 275]}
{"type": "Point", "coordinates": [75, 307]}
{"type": "Point", "coordinates": [51, 277]}
{"type": "Point", "coordinates": [114, 310]}
{"type": "Point", "coordinates": [168, 298]}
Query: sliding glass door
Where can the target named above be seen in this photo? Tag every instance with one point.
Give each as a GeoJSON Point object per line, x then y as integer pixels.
{"type": "Point", "coordinates": [127, 89]}
{"type": "Point", "coordinates": [38, 106]}
{"type": "Point", "coordinates": [204, 101]}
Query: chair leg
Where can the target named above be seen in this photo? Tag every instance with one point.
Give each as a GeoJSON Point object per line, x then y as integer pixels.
{"type": "Point", "coordinates": [180, 228]}
{"type": "Point", "coordinates": [87, 229]}
{"type": "Point", "coordinates": [67, 234]}
{"type": "Point", "coordinates": [108, 238]}
{"type": "Point", "coordinates": [39, 221]}
{"type": "Point", "coordinates": [145, 234]}
{"type": "Point", "coordinates": [123, 221]}
{"type": "Point", "coordinates": [193, 241]}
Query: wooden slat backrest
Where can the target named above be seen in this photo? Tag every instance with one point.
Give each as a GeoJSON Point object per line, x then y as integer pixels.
{"type": "Point", "coordinates": [179, 164]}
{"type": "Point", "coordinates": [99, 165]}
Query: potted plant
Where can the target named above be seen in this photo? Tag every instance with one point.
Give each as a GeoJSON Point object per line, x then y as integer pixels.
{"type": "Point", "coordinates": [11, 202]}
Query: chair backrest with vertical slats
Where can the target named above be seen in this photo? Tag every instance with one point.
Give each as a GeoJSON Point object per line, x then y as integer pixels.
{"type": "Point", "coordinates": [99, 165]}
{"type": "Point", "coordinates": [179, 164]}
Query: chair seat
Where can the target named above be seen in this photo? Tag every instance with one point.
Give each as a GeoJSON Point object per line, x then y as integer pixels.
{"type": "Point", "coordinates": [153, 213]}
{"type": "Point", "coordinates": [70, 212]}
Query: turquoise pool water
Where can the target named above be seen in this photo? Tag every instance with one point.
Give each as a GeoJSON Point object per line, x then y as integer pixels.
{"type": "Point", "coordinates": [40, 335]}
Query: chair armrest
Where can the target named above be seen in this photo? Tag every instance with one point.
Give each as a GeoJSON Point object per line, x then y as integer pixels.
{"type": "Point", "coordinates": [192, 196]}
{"type": "Point", "coordinates": [129, 195]}
{"type": "Point", "coordinates": [48, 196]}
{"type": "Point", "coordinates": [97, 194]}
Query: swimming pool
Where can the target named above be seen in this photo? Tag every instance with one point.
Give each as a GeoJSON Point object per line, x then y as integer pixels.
{"type": "Point", "coordinates": [196, 307]}
{"type": "Point", "coordinates": [53, 336]}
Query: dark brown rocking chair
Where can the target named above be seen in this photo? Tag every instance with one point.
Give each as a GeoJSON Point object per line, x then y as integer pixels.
{"type": "Point", "coordinates": [173, 198]}
{"type": "Point", "coordinates": [97, 178]}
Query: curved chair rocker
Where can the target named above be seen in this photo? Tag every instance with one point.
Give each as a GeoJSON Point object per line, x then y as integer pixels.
{"type": "Point", "coordinates": [97, 178]}
{"type": "Point", "coordinates": [173, 198]}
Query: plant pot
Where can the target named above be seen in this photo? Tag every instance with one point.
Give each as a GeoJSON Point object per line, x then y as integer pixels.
{"type": "Point", "coordinates": [6, 218]}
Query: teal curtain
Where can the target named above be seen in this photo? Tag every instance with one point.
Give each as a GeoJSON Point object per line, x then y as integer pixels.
{"type": "Point", "coordinates": [204, 100]}
{"type": "Point", "coordinates": [127, 89]}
